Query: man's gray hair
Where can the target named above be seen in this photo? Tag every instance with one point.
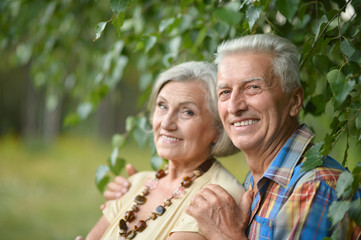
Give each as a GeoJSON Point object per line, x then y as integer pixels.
{"type": "Point", "coordinates": [206, 74]}
{"type": "Point", "coordinates": [284, 55]}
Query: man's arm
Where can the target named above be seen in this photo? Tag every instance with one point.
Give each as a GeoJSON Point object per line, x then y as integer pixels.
{"type": "Point", "coordinates": [217, 214]}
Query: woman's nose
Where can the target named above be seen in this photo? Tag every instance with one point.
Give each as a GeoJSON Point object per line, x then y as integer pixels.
{"type": "Point", "coordinates": [169, 122]}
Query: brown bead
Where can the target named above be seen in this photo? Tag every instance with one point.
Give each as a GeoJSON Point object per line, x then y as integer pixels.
{"type": "Point", "coordinates": [131, 234]}
{"type": "Point", "coordinates": [160, 210]}
{"type": "Point", "coordinates": [197, 172]}
{"type": "Point", "coordinates": [139, 199]}
{"type": "Point", "coordinates": [167, 202]}
{"type": "Point", "coordinates": [122, 233]}
{"type": "Point", "coordinates": [186, 182]}
{"type": "Point", "coordinates": [140, 226]}
{"type": "Point", "coordinates": [160, 173]}
{"type": "Point", "coordinates": [123, 225]}
{"type": "Point", "coordinates": [135, 207]}
{"type": "Point", "coordinates": [129, 216]}
{"type": "Point", "coordinates": [152, 215]}
{"type": "Point", "coordinates": [145, 191]}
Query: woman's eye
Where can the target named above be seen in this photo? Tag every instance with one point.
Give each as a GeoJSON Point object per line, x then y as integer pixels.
{"type": "Point", "coordinates": [162, 106]}
{"type": "Point", "coordinates": [189, 112]}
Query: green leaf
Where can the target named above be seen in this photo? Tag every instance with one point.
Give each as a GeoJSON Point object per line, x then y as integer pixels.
{"type": "Point", "coordinates": [252, 15]}
{"type": "Point", "coordinates": [358, 121]}
{"type": "Point", "coordinates": [288, 8]}
{"type": "Point", "coordinates": [84, 110]}
{"type": "Point", "coordinates": [165, 23]}
{"type": "Point", "coordinates": [340, 87]}
{"type": "Point", "coordinates": [199, 41]}
{"type": "Point", "coordinates": [337, 211]}
{"type": "Point", "coordinates": [117, 22]}
{"type": "Point", "coordinates": [118, 6]}
{"type": "Point", "coordinates": [118, 140]}
{"type": "Point", "coordinates": [347, 48]}
{"type": "Point", "coordinates": [227, 15]}
{"type": "Point", "coordinates": [321, 23]}
{"type": "Point", "coordinates": [344, 185]}
{"type": "Point", "coordinates": [71, 120]}
{"type": "Point", "coordinates": [116, 165]}
{"type": "Point", "coordinates": [149, 43]}
{"type": "Point", "coordinates": [355, 211]}
{"type": "Point", "coordinates": [99, 30]}
{"type": "Point", "coordinates": [322, 63]}
{"type": "Point", "coordinates": [156, 162]}
{"type": "Point", "coordinates": [101, 178]}
{"type": "Point", "coordinates": [313, 157]}
{"type": "Point", "coordinates": [130, 123]}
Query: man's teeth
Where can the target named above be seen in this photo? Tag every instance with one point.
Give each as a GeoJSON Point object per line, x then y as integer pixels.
{"type": "Point", "coordinates": [170, 138]}
{"type": "Point", "coordinates": [245, 123]}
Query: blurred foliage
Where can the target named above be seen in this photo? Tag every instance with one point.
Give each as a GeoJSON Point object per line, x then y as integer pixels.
{"type": "Point", "coordinates": [54, 39]}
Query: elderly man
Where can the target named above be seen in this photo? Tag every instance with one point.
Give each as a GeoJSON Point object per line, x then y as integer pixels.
{"type": "Point", "coordinates": [259, 99]}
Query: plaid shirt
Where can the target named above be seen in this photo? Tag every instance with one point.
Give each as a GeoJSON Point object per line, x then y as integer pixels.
{"type": "Point", "coordinates": [291, 204]}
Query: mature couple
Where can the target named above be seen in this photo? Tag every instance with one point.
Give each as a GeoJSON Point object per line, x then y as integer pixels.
{"type": "Point", "coordinates": [259, 97]}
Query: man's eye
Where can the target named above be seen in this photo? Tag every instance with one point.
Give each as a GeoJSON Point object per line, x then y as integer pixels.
{"type": "Point", "coordinates": [224, 92]}
{"type": "Point", "coordinates": [253, 90]}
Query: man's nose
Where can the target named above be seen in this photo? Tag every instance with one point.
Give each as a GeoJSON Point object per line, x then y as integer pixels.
{"type": "Point", "coordinates": [237, 103]}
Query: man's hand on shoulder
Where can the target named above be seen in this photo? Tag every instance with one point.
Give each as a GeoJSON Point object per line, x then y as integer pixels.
{"type": "Point", "coordinates": [218, 215]}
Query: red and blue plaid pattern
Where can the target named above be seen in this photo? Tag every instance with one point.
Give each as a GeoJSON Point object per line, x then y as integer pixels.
{"type": "Point", "coordinates": [291, 204]}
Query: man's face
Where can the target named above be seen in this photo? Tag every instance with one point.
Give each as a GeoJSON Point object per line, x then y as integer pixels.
{"type": "Point", "coordinates": [255, 111]}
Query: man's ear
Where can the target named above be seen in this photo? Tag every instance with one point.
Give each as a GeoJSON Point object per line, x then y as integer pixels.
{"type": "Point", "coordinates": [296, 101]}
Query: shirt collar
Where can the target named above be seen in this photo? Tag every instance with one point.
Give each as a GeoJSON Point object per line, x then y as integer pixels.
{"type": "Point", "coordinates": [281, 168]}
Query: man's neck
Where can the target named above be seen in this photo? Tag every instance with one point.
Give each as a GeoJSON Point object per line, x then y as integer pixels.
{"type": "Point", "coordinates": [259, 160]}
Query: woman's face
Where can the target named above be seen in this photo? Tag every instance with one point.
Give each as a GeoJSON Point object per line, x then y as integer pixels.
{"type": "Point", "coordinates": [183, 126]}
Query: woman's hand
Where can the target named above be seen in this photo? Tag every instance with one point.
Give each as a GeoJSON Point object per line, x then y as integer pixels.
{"type": "Point", "coordinates": [119, 187]}
{"type": "Point", "coordinates": [218, 215]}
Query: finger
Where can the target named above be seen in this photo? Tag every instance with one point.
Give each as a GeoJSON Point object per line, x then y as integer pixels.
{"type": "Point", "coordinates": [109, 195]}
{"type": "Point", "coordinates": [79, 238]}
{"type": "Point", "coordinates": [246, 202]}
{"type": "Point", "coordinates": [130, 170]}
{"type": "Point", "coordinates": [216, 195]}
{"type": "Point", "coordinates": [121, 181]}
{"type": "Point", "coordinates": [197, 203]}
{"type": "Point", "coordinates": [102, 207]}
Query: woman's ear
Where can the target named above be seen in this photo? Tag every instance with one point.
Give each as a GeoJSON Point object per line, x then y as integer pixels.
{"type": "Point", "coordinates": [296, 101]}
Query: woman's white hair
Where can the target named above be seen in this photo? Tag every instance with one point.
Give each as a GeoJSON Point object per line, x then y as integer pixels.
{"type": "Point", "coordinates": [206, 74]}
{"type": "Point", "coordinates": [284, 55]}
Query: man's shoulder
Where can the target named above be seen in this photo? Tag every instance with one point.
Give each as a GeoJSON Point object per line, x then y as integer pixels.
{"type": "Point", "coordinates": [328, 173]}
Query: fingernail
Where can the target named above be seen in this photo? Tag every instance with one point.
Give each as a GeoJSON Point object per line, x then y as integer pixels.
{"type": "Point", "coordinates": [101, 208]}
{"type": "Point", "coordinates": [118, 195]}
{"type": "Point", "coordinates": [126, 184]}
{"type": "Point", "coordinates": [123, 190]}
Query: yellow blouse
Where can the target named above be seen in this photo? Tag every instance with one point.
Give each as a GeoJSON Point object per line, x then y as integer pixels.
{"type": "Point", "coordinates": [174, 219]}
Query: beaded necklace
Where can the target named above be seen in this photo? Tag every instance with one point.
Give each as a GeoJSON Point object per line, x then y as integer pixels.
{"type": "Point", "coordinates": [140, 199]}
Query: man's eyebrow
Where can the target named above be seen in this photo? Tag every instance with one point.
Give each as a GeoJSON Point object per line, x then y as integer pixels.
{"type": "Point", "coordinates": [225, 85]}
{"type": "Point", "coordinates": [253, 79]}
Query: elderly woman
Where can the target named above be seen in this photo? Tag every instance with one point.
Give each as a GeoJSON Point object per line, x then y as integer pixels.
{"type": "Point", "coordinates": [189, 133]}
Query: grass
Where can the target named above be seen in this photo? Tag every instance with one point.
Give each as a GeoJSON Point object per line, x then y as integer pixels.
{"type": "Point", "coordinates": [48, 191]}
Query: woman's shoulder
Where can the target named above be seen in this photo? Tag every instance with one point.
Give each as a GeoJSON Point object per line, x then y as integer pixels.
{"type": "Point", "coordinates": [221, 176]}
{"type": "Point", "coordinates": [140, 177]}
